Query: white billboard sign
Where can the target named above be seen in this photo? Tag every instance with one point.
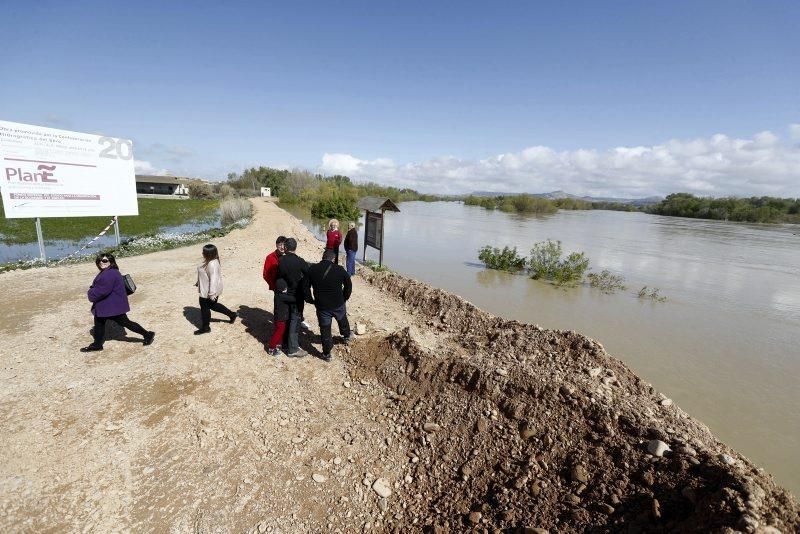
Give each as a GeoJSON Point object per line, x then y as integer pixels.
{"type": "Point", "coordinates": [46, 172]}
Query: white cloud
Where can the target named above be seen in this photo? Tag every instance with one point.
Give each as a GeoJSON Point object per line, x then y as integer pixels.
{"type": "Point", "coordinates": [145, 167]}
{"type": "Point", "coordinates": [794, 132]}
{"type": "Point", "coordinates": [718, 165]}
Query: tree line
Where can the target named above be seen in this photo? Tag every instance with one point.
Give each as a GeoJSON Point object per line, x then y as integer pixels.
{"type": "Point", "coordinates": [753, 209]}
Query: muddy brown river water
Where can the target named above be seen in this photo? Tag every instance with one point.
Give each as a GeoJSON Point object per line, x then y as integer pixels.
{"type": "Point", "coordinates": [725, 346]}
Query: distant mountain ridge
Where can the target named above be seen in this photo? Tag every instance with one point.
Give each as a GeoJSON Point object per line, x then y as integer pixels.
{"type": "Point", "coordinates": [555, 195]}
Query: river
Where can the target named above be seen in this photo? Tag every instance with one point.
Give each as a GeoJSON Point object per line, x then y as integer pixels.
{"type": "Point", "coordinates": [725, 346]}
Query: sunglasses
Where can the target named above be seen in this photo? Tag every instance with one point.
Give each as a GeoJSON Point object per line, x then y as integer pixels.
{"type": "Point", "coordinates": [105, 260]}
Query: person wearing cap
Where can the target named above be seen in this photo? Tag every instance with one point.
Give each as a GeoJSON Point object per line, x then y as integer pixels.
{"type": "Point", "coordinates": [331, 288]}
{"type": "Point", "coordinates": [294, 270]}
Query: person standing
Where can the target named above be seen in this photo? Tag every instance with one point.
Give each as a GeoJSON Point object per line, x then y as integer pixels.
{"type": "Point", "coordinates": [350, 248]}
{"type": "Point", "coordinates": [294, 270]}
{"type": "Point", "coordinates": [109, 300]}
{"type": "Point", "coordinates": [270, 271]}
{"type": "Point", "coordinates": [331, 288]}
{"type": "Point", "coordinates": [334, 238]}
{"type": "Point", "coordinates": [209, 285]}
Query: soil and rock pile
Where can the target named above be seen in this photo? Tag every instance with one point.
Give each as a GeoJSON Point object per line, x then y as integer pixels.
{"type": "Point", "coordinates": [512, 427]}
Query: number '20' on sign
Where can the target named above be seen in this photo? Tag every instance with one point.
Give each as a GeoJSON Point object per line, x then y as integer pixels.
{"type": "Point", "coordinates": [116, 148]}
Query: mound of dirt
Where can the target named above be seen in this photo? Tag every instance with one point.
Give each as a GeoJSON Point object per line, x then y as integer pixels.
{"type": "Point", "coordinates": [511, 427]}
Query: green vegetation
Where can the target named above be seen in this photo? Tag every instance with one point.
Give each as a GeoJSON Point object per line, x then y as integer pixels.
{"type": "Point", "coordinates": [335, 206]}
{"type": "Point", "coordinates": [154, 214]}
{"type": "Point", "coordinates": [327, 196]}
{"type": "Point", "coordinates": [606, 282]}
{"type": "Point", "coordinates": [533, 205]}
{"type": "Point", "coordinates": [753, 209]}
{"type": "Point", "coordinates": [506, 259]}
{"type": "Point", "coordinates": [546, 263]}
{"type": "Point", "coordinates": [375, 267]}
{"type": "Point", "coordinates": [652, 294]}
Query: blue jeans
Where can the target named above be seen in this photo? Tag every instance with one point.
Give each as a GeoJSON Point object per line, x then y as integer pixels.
{"type": "Point", "coordinates": [325, 318]}
{"type": "Point", "coordinates": [351, 262]}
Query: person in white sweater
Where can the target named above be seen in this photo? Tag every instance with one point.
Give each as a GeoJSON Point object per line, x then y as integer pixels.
{"type": "Point", "coordinates": [209, 284]}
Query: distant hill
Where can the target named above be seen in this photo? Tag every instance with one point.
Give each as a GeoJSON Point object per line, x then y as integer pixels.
{"type": "Point", "coordinates": [554, 195]}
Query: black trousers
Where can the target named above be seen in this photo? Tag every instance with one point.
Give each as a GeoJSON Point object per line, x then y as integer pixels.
{"type": "Point", "coordinates": [325, 318]}
{"type": "Point", "coordinates": [122, 320]}
{"type": "Point", "coordinates": [206, 305]}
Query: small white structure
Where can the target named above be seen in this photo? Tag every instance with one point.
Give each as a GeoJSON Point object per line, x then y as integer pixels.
{"type": "Point", "coordinates": [266, 192]}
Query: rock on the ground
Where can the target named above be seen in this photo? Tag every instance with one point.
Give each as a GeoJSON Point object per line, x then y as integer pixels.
{"type": "Point", "coordinates": [382, 487]}
{"type": "Point", "coordinates": [656, 447]}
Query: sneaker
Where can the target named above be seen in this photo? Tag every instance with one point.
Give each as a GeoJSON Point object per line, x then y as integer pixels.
{"type": "Point", "coordinates": [232, 318]}
{"type": "Point", "coordinates": [299, 353]}
{"type": "Point", "coordinates": [148, 338]}
{"type": "Point", "coordinates": [326, 357]}
{"type": "Point", "coordinates": [92, 348]}
{"type": "Point", "coordinates": [274, 352]}
{"type": "Point", "coordinates": [347, 339]}
{"type": "Point", "coordinates": [202, 331]}
{"type": "Point", "coordinates": [305, 325]}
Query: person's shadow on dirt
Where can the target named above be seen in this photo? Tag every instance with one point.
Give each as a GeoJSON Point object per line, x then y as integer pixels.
{"type": "Point", "coordinates": [260, 324]}
{"type": "Point", "coordinates": [192, 314]}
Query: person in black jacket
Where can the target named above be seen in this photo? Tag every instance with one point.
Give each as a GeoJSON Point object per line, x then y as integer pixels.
{"type": "Point", "coordinates": [331, 287]}
{"type": "Point", "coordinates": [351, 247]}
{"type": "Point", "coordinates": [294, 270]}
{"type": "Point", "coordinates": [280, 315]}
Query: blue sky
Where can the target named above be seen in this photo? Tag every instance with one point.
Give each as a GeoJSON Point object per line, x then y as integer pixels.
{"type": "Point", "coordinates": [620, 98]}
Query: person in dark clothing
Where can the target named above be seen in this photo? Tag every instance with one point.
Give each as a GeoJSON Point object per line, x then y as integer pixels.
{"type": "Point", "coordinates": [331, 288]}
{"type": "Point", "coordinates": [294, 270]}
{"type": "Point", "coordinates": [350, 248]}
{"type": "Point", "coordinates": [280, 315]}
{"type": "Point", "coordinates": [110, 302]}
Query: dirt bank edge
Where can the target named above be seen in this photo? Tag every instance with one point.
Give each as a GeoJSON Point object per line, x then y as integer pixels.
{"type": "Point", "coordinates": [551, 431]}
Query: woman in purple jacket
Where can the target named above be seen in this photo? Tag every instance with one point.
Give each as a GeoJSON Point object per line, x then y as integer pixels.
{"type": "Point", "coordinates": [110, 301]}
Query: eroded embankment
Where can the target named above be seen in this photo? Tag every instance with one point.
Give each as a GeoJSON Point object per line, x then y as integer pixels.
{"type": "Point", "coordinates": [511, 426]}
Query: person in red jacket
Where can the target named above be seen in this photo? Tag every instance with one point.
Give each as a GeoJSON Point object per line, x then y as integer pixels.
{"type": "Point", "coordinates": [334, 238]}
{"type": "Point", "coordinates": [271, 263]}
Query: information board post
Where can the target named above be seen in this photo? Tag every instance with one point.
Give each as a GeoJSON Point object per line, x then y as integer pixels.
{"type": "Point", "coordinates": [116, 229]}
{"type": "Point", "coordinates": [375, 209]}
{"type": "Point", "coordinates": [40, 238]}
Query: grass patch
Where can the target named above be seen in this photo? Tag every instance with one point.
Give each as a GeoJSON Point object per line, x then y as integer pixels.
{"type": "Point", "coordinates": [154, 214]}
{"type": "Point", "coordinates": [375, 267]}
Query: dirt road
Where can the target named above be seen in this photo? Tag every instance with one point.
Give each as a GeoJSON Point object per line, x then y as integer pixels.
{"type": "Point", "coordinates": [441, 417]}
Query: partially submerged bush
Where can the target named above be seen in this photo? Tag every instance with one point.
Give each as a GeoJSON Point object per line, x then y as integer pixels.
{"type": "Point", "coordinates": [546, 263]}
{"type": "Point", "coordinates": [506, 259]}
{"type": "Point", "coordinates": [234, 209]}
{"type": "Point", "coordinates": [606, 282]}
{"type": "Point", "coordinates": [652, 294]}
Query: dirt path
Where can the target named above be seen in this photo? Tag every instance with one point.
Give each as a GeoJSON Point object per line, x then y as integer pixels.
{"type": "Point", "coordinates": [469, 422]}
{"type": "Point", "coordinates": [193, 431]}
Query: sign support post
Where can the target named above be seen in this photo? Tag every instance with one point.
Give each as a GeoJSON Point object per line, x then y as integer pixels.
{"type": "Point", "coordinates": [380, 255]}
{"type": "Point", "coordinates": [116, 229]}
{"type": "Point", "coordinates": [40, 238]}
